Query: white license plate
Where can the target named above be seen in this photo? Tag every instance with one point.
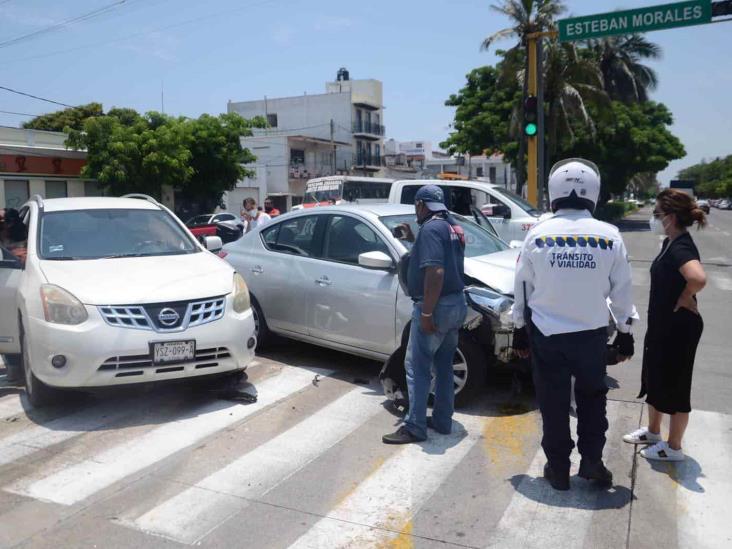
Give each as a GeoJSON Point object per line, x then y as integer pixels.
{"type": "Point", "coordinates": [173, 351]}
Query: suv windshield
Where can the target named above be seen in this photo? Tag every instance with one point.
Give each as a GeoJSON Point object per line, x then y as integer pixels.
{"type": "Point", "coordinates": [519, 201]}
{"type": "Point", "coordinates": [96, 234]}
{"type": "Point", "coordinates": [478, 241]}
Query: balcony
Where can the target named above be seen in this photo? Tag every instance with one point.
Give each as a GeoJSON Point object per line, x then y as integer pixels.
{"type": "Point", "coordinates": [367, 161]}
{"type": "Point", "coordinates": [309, 171]}
{"type": "Point", "coordinates": [368, 129]}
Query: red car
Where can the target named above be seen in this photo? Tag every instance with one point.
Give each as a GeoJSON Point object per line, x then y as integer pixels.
{"type": "Point", "coordinates": [213, 225]}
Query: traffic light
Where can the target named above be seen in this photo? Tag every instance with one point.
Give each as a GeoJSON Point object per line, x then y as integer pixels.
{"type": "Point", "coordinates": [530, 116]}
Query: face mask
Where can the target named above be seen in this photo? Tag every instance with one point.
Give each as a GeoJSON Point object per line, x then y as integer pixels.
{"type": "Point", "coordinates": [656, 225]}
{"type": "Point", "coordinates": [252, 213]}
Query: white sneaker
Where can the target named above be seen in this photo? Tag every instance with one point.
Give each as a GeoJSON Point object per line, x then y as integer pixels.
{"type": "Point", "coordinates": [642, 436]}
{"type": "Point", "coordinates": [661, 451]}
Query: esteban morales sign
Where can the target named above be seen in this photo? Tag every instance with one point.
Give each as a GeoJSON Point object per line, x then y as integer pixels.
{"type": "Point", "coordinates": [666, 16]}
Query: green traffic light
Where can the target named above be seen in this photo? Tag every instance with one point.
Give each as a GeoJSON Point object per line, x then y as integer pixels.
{"type": "Point", "coordinates": [530, 129]}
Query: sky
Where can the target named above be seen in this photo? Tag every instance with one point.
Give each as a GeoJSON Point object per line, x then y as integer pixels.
{"type": "Point", "coordinates": [202, 54]}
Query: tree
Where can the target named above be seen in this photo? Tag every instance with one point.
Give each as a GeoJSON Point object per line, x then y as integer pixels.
{"type": "Point", "coordinates": [632, 139]}
{"type": "Point", "coordinates": [201, 158]}
{"type": "Point", "coordinates": [72, 118]}
{"type": "Point", "coordinates": [484, 110]}
{"type": "Point", "coordinates": [625, 77]}
{"type": "Point", "coordinates": [713, 179]}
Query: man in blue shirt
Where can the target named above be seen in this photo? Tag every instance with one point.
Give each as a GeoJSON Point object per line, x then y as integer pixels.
{"type": "Point", "coordinates": [435, 283]}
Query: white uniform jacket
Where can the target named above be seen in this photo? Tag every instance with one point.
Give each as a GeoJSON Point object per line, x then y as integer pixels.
{"type": "Point", "coordinates": [570, 264]}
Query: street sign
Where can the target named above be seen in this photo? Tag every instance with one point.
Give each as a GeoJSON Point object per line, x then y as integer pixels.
{"type": "Point", "coordinates": [666, 16]}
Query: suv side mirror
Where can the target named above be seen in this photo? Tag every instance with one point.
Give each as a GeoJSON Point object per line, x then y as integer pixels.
{"type": "Point", "coordinates": [213, 243]}
{"type": "Point", "coordinates": [501, 210]}
{"type": "Point", "coordinates": [375, 260]}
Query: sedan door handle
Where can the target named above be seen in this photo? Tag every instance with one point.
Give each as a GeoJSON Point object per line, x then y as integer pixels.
{"type": "Point", "coordinates": [323, 281]}
{"type": "Point", "coordinates": [257, 269]}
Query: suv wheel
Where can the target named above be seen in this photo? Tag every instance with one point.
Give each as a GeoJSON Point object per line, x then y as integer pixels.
{"type": "Point", "coordinates": [39, 394]}
{"type": "Point", "coordinates": [261, 331]}
{"type": "Point", "coordinates": [470, 370]}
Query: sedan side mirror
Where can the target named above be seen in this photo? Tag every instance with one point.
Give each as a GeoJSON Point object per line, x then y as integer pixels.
{"type": "Point", "coordinates": [375, 260]}
{"type": "Point", "coordinates": [213, 243]}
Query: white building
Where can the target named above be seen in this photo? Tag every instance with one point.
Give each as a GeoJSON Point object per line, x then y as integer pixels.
{"type": "Point", "coordinates": [339, 131]}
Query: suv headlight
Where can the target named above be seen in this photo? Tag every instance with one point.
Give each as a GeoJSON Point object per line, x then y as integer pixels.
{"type": "Point", "coordinates": [61, 307]}
{"type": "Point", "coordinates": [241, 294]}
{"type": "Point", "coordinates": [498, 307]}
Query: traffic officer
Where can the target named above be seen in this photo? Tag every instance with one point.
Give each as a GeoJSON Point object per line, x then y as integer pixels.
{"type": "Point", "coordinates": [570, 264]}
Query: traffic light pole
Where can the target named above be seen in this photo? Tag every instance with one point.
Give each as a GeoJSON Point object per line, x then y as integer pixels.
{"type": "Point", "coordinates": [531, 141]}
{"type": "Point", "coordinates": [541, 151]}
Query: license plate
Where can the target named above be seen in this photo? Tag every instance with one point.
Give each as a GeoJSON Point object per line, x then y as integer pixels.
{"type": "Point", "coordinates": [173, 351]}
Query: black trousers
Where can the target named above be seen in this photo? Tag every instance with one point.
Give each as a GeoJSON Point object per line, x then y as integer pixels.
{"type": "Point", "coordinates": [555, 360]}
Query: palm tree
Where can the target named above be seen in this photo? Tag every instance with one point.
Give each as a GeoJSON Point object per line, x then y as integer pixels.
{"type": "Point", "coordinates": [620, 58]}
{"type": "Point", "coordinates": [527, 17]}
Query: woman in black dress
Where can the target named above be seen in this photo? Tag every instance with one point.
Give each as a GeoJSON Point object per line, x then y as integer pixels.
{"type": "Point", "coordinates": [674, 326]}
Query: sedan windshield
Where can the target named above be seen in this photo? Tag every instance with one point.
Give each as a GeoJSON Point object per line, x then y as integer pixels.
{"type": "Point", "coordinates": [96, 234]}
{"type": "Point", "coordinates": [478, 241]}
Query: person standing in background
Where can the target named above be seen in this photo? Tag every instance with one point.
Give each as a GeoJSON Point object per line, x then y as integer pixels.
{"type": "Point", "coordinates": [252, 216]}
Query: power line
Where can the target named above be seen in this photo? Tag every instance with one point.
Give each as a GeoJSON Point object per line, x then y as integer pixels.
{"type": "Point", "coordinates": [141, 33]}
{"type": "Point", "coordinates": [56, 26]}
{"type": "Point", "coordinates": [35, 97]}
{"type": "Point", "coordinates": [19, 113]}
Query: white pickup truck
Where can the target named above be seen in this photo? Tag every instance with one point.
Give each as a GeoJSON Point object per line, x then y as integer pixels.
{"type": "Point", "coordinates": [510, 215]}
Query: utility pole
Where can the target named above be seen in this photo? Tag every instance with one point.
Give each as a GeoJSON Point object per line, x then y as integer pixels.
{"type": "Point", "coordinates": [333, 147]}
{"type": "Point", "coordinates": [541, 150]}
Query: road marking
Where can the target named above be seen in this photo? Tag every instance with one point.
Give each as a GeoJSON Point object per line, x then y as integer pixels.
{"type": "Point", "coordinates": [79, 481]}
{"type": "Point", "coordinates": [381, 508]}
{"type": "Point", "coordinates": [38, 437]}
{"type": "Point", "coordinates": [721, 281]}
{"type": "Point", "coordinates": [11, 405]}
{"type": "Point", "coordinates": [704, 484]}
{"type": "Point", "coordinates": [537, 515]}
{"type": "Point", "coordinates": [198, 510]}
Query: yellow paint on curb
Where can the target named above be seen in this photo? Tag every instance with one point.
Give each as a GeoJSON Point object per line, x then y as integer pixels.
{"type": "Point", "coordinates": [510, 436]}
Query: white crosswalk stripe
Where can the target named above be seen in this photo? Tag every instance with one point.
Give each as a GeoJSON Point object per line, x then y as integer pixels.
{"type": "Point", "coordinates": [188, 516]}
{"type": "Point", "coordinates": [552, 515]}
{"type": "Point", "coordinates": [80, 480]}
{"type": "Point", "coordinates": [721, 280]}
{"type": "Point", "coordinates": [387, 501]}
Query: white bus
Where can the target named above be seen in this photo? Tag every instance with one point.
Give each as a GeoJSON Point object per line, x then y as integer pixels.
{"type": "Point", "coordinates": [340, 189]}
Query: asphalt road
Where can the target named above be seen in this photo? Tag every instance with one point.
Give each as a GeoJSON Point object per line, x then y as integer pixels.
{"type": "Point", "coordinates": [305, 467]}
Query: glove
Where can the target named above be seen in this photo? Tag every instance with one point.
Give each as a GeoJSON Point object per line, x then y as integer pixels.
{"type": "Point", "coordinates": [625, 344]}
{"type": "Point", "coordinates": [521, 340]}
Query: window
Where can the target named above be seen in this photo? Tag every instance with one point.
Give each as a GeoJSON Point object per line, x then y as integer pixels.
{"type": "Point", "coordinates": [365, 190]}
{"type": "Point", "coordinates": [272, 119]}
{"type": "Point", "coordinates": [461, 200]}
{"type": "Point", "coordinates": [492, 174]}
{"type": "Point", "coordinates": [56, 189]}
{"type": "Point", "coordinates": [297, 157]}
{"type": "Point", "coordinates": [346, 238]}
{"type": "Point", "coordinates": [479, 171]}
{"type": "Point", "coordinates": [295, 236]}
{"type": "Point", "coordinates": [93, 188]}
{"type": "Point", "coordinates": [224, 217]}
{"type": "Point", "coordinates": [16, 193]}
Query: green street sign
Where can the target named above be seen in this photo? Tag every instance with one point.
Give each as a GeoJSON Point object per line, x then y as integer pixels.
{"type": "Point", "coordinates": [666, 16]}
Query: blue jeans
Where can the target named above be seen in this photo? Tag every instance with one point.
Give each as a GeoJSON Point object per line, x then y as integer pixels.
{"type": "Point", "coordinates": [428, 352]}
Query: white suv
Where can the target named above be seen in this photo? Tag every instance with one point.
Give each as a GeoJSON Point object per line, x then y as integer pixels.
{"type": "Point", "coordinates": [117, 291]}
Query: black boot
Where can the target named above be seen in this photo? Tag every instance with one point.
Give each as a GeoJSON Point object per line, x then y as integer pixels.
{"type": "Point", "coordinates": [596, 471]}
{"type": "Point", "coordinates": [559, 481]}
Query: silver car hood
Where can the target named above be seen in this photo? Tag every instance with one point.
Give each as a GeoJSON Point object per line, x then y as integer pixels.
{"type": "Point", "coordinates": [496, 270]}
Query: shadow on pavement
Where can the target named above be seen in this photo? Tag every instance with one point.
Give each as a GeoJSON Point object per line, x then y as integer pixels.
{"type": "Point", "coordinates": [684, 473]}
{"type": "Point", "coordinates": [582, 494]}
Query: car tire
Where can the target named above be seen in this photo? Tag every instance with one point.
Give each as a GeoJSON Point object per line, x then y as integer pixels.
{"type": "Point", "coordinates": [38, 393]}
{"type": "Point", "coordinates": [471, 370]}
{"type": "Point", "coordinates": [261, 330]}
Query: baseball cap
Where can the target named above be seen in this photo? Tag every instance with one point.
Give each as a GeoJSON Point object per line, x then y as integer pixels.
{"type": "Point", "coordinates": [432, 196]}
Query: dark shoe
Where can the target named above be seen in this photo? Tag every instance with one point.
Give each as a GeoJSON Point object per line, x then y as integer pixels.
{"type": "Point", "coordinates": [431, 425]}
{"type": "Point", "coordinates": [596, 471]}
{"type": "Point", "coordinates": [558, 481]}
{"type": "Point", "coordinates": [401, 436]}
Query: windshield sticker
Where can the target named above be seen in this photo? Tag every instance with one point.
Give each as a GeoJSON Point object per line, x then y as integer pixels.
{"type": "Point", "coordinates": [57, 248]}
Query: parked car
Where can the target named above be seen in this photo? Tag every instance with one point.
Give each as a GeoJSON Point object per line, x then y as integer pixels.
{"type": "Point", "coordinates": [226, 226]}
{"type": "Point", "coordinates": [511, 215]}
{"type": "Point", "coordinates": [724, 204]}
{"type": "Point", "coordinates": [703, 205]}
{"type": "Point", "coordinates": [328, 276]}
{"type": "Point", "coordinates": [116, 291]}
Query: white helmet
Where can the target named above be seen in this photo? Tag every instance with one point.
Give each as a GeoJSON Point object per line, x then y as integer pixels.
{"type": "Point", "coordinates": [574, 183]}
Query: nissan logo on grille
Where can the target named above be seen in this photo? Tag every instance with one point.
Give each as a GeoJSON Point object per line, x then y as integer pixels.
{"type": "Point", "coordinates": [168, 317]}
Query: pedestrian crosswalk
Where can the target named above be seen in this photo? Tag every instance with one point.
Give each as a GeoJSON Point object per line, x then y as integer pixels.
{"type": "Point", "coordinates": [175, 478]}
